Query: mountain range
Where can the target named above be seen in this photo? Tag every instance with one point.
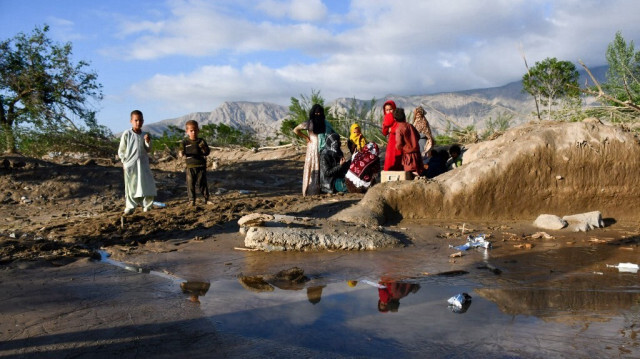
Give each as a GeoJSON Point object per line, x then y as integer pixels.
{"type": "Point", "coordinates": [461, 108]}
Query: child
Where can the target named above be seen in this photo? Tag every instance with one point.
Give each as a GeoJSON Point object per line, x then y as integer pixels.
{"type": "Point", "coordinates": [455, 160]}
{"type": "Point", "coordinates": [356, 139]}
{"type": "Point", "coordinates": [139, 186]}
{"type": "Point", "coordinates": [407, 143]}
{"type": "Point", "coordinates": [195, 149]}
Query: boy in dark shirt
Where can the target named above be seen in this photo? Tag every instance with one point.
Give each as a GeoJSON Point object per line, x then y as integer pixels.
{"type": "Point", "coordinates": [195, 150]}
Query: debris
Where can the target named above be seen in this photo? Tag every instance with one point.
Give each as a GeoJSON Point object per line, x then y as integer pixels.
{"type": "Point", "coordinates": [625, 267]}
{"type": "Point", "coordinates": [523, 245]}
{"type": "Point", "coordinates": [473, 242]}
{"type": "Point", "coordinates": [459, 303]}
{"type": "Point", "coordinates": [544, 235]}
{"type": "Point", "coordinates": [159, 204]}
{"type": "Point", "coordinates": [246, 249]}
{"type": "Point", "coordinates": [597, 240]}
{"type": "Point", "coordinates": [455, 255]}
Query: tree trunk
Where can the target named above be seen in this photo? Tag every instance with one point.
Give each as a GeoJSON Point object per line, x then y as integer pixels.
{"type": "Point", "coordinates": [9, 138]}
{"type": "Point", "coordinates": [6, 122]}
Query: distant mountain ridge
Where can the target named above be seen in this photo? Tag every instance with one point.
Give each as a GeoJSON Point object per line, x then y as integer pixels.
{"type": "Point", "coordinates": [462, 108]}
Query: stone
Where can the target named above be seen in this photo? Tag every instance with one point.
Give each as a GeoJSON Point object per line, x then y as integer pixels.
{"type": "Point", "coordinates": [310, 239]}
{"type": "Point", "coordinates": [549, 221]}
{"type": "Point", "coordinates": [584, 221]}
{"type": "Point", "coordinates": [254, 220]}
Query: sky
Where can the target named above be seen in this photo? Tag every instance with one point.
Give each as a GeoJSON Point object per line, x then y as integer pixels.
{"type": "Point", "coordinates": [169, 58]}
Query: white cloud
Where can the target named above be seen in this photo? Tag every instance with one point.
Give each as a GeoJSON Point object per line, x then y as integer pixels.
{"type": "Point", "coordinates": [401, 47]}
{"type": "Point", "coordinates": [299, 10]}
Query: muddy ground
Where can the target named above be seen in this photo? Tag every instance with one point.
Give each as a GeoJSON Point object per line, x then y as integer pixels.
{"type": "Point", "coordinates": [56, 213]}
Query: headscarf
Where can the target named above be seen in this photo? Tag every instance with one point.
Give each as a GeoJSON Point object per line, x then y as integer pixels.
{"type": "Point", "coordinates": [389, 102]}
{"type": "Point", "coordinates": [333, 144]}
{"type": "Point", "coordinates": [357, 138]}
{"type": "Point", "coordinates": [420, 122]}
{"type": "Point", "coordinates": [316, 123]}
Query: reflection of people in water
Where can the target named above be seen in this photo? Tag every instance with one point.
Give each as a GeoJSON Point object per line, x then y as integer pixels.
{"type": "Point", "coordinates": [391, 294]}
{"type": "Point", "coordinates": [194, 290]}
{"type": "Point", "coordinates": [314, 294]}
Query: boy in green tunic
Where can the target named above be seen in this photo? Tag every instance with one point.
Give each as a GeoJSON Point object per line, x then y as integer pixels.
{"type": "Point", "coordinates": [195, 150]}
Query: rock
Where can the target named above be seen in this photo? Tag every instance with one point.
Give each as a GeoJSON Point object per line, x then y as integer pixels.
{"type": "Point", "coordinates": [584, 221]}
{"type": "Point", "coordinates": [309, 239]}
{"type": "Point", "coordinates": [549, 221]}
{"type": "Point", "coordinates": [254, 220]}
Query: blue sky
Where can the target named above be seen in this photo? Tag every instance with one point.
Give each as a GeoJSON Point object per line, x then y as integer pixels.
{"type": "Point", "coordinates": [170, 58]}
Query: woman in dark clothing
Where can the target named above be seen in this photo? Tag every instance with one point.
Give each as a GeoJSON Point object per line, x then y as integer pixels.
{"type": "Point", "coordinates": [333, 166]}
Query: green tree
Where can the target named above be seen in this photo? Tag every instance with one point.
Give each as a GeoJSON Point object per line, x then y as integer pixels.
{"type": "Point", "coordinates": [624, 71]}
{"type": "Point", "coordinates": [299, 113]}
{"type": "Point", "coordinates": [41, 88]}
{"type": "Point", "coordinates": [551, 80]}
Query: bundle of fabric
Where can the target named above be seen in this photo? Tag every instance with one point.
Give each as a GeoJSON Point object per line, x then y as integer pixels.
{"type": "Point", "coordinates": [364, 169]}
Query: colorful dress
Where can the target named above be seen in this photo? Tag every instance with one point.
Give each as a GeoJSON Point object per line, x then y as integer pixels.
{"type": "Point", "coordinates": [364, 169]}
{"type": "Point", "coordinates": [311, 172]}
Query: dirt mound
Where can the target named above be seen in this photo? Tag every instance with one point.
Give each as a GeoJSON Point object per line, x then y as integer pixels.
{"type": "Point", "coordinates": [556, 168]}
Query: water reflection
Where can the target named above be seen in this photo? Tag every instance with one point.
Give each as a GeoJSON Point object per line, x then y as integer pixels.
{"type": "Point", "coordinates": [195, 290]}
{"type": "Point", "coordinates": [288, 279]}
{"type": "Point", "coordinates": [345, 320]}
{"type": "Point", "coordinates": [560, 303]}
{"type": "Point", "coordinates": [390, 293]}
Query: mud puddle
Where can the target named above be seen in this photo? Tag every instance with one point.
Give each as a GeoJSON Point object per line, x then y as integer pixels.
{"type": "Point", "coordinates": [413, 319]}
{"type": "Point", "coordinates": [551, 302]}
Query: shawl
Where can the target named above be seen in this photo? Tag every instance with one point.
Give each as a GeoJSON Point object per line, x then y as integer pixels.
{"type": "Point", "coordinates": [364, 166]}
{"type": "Point", "coordinates": [357, 138]}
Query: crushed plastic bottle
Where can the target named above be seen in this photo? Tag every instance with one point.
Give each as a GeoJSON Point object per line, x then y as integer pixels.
{"type": "Point", "coordinates": [159, 204]}
{"type": "Point", "coordinates": [625, 267]}
{"type": "Point", "coordinates": [478, 241]}
{"type": "Point", "coordinates": [459, 303]}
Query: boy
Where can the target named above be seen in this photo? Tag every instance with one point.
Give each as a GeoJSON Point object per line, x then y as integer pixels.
{"type": "Point", "coordinates": [195, 149]}
{"type": "Point", "coordinates": [139, 186]}
{"type": "Point", "coordinates": [454, 160]}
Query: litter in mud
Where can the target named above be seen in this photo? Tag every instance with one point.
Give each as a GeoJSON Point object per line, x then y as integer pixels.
{"type": "Point", "coordinates": [459, 303]}
{"type": "Point", "coordinates": [625, 267]}
{"type": "Point", "coordinates": [478, 241]}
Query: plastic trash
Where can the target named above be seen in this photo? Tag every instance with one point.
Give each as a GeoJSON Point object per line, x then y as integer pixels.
{"type": "Point", "coordinates": [459, 303]}
{"type": "Point", "coordinates": [625, 267]}
{"type": "Point", "coordinates": [478, 241]}
{"type": "Point", "coordinates": [159, 204]}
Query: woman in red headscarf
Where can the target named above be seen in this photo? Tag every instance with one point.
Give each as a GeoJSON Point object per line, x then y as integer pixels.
{"type": "Point", "coordinates": [392, 159]}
